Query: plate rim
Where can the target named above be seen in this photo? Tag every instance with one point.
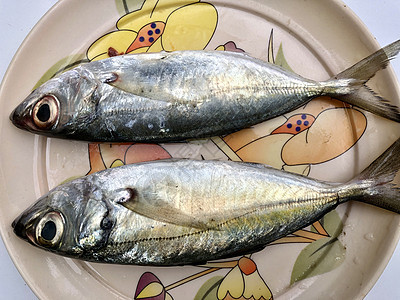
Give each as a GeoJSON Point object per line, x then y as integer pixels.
{"type": "Point", "coordinates": [344, 8]}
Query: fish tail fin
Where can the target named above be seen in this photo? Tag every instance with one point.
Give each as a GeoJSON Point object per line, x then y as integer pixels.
{"type": "Point", "coordinates": [375, 184]}
{"type": "Point", "coordinates": [365, 69]}
{"type": "Point", "coordinates": [350, 86]}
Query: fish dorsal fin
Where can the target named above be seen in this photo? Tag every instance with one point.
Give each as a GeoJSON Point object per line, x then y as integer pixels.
{"type": "Point", "coordinates": [157, 209]}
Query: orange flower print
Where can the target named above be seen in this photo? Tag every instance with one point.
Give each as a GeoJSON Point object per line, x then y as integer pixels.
{"type": "Point", "coordinates": [103, 156]}
{"type": "Point", "coordinates": [321, 131]}
{"type": "Point", "coordinates": [296, 124]}
{"type": "Point", "coordinates": [244, 282]}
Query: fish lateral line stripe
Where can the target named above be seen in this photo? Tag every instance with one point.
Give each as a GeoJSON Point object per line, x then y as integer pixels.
{"type": "Point", "coordinates": [276, 90]}
{"type": "Point", "coordinates": [158, 238]}
{"type": "Point", "coordinates": [275, 206]}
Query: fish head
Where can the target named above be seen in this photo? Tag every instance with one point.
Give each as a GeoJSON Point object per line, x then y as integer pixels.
{"type": "Point", "coordinates": [66, 221]}
{"type": "Point", "coordinates": [55, 107]}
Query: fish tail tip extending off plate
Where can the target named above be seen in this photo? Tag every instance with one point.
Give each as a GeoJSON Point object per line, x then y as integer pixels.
{"type": "Point", "coordinates": [361, 95]}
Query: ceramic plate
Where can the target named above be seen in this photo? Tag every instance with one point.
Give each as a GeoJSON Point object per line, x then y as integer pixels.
{"type": "Point", "coordinates": [339, 257]}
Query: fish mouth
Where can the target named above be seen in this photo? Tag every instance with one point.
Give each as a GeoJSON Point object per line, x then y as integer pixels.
{"type": "Point", "coordinates": [21, 117]}
{"type": "Point", "coordinates": [23, 231]}
{"type": "Point", "coordinates": [24, 226]}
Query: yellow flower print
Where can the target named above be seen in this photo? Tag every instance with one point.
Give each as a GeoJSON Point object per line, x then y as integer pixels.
{"type": "Point", "coordinates": [244, 282]}
{"type": "Point", "coordinates": [321, 131]}
{"type": "Point", "coordinates": [333, 132]}
{"type": "Point", "coordinates": [167, 25]}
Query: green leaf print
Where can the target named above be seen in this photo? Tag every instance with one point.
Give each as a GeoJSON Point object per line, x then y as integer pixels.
{"type": "Point", "coordinates": [126, 6]}
{"type": "Point", "coordinates": [62, 65]}
{"type": "Point", "coordinates": [319, 257]}
{"type": "Point", "coordinates": [331, 223]}
{"type": "Point", "coordinates": [208, 290]}
{"type": "Point", "coordinates": [280, 59]}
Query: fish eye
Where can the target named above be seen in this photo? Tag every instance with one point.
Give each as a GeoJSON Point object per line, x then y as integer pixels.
{"type": "Point", "coordinates": [45, 112]}
{"type": "Point", "coordinates": [49, 229]}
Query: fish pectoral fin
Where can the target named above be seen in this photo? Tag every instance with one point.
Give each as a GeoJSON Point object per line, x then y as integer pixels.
{"type": "Point", "coordinates": [158, 210]}
{"type": "Point", "coordinates": [108, 77]}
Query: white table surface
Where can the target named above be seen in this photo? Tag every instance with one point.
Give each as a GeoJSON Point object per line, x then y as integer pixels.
{"type": "Point", "coordinates": [18, 17]}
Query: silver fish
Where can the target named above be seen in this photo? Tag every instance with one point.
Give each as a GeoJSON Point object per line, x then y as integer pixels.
{"type": "Point", "coordinates": [161, 97]}
{"type": "Point", "coordinates": [176, 212]}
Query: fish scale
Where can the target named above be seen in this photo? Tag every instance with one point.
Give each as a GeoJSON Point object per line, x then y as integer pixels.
{"type": "Point", "coordinates": [172, 220]}
{"type": "Point", "coordinates": [158, 213]}
{"type": "Point", "coordinates": [194, 93]}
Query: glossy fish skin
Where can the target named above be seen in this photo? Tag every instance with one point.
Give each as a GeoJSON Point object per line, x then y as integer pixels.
{"type": "Point", "coordinates": [161, 97]}
{"type": "Point", "coordinates": [177, 212]}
